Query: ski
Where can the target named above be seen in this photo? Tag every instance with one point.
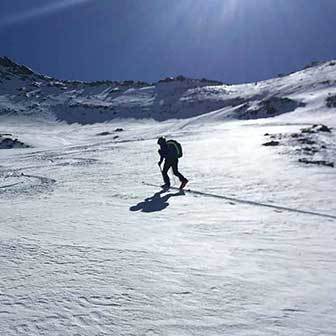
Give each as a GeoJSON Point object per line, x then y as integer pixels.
{"type": "Point", "coordinates": [191, 191]}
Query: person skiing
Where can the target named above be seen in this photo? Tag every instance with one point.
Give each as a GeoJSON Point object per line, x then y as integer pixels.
{"type": "Point", "coordinates": [170, 151]}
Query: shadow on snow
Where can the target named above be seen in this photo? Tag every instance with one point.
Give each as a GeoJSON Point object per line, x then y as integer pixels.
{"type": "Point", "coordinates": [254, 203]}
{"type": "Point", "coordinates": [157, 202]}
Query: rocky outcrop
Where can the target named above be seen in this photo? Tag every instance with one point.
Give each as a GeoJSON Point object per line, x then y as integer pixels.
{"type": "Point", "coordinates": [318, 162]}
{"type": "Point", "coordinates": [179, 97]}
{"type": "Point", "coordinates": [271, 143]}
{"type": "Point", "coordinates": [16, 68]}
{"type": "Point", "coordinates": [197, 82]}
{"type": "Point", "coordinates": [269, 108]}
{"type": "Point", "coordinates": [316, 129]}
{"type": "Point", "coordinates": [311, 143]}
{"type": "Point", "coordinates": [105, 133]}
{"type": "Point", "coordinates": [331, 101]}
{"type": "Point", "coordinates": [9, 143]}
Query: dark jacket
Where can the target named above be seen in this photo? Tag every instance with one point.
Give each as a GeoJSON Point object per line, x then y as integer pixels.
{"type": "Point", "coordinates": [167, 151]}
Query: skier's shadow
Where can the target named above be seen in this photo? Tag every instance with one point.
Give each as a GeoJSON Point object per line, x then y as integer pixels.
{"type": "Point", "coordinates": [157, 202]}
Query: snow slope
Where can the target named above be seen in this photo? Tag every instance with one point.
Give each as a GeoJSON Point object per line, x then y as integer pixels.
{"type": "Point", "coordinates": [87, 249]}
{"type": "Point", "coordinates": [23, 92]}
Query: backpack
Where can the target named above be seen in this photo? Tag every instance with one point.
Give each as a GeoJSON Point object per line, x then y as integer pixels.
{"type": "Point", "coordinates": [177, 146]}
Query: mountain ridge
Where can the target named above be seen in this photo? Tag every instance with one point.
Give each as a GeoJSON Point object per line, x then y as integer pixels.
{"type": "Point", "coordinates": [25, 92]}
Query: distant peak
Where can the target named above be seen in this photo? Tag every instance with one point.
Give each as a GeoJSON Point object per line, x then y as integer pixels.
{"type": "Point", "coordinates": [6, 62]}
{"type": "Point", "coordinates": [181, 78]}
{"type": "Point", "coordinates": [18, 69]}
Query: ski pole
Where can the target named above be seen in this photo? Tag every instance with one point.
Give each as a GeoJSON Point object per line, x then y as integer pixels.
{"type": "Point", "coordinates": [161, 170]}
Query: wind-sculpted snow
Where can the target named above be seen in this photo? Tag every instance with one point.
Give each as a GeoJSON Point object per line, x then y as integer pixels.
{"type": "Point", "coordinates": [25, 93]}
{"type": "Point", "coordinates": [87, 249]}
{"type": "Point", "coordinates": [15, 184]}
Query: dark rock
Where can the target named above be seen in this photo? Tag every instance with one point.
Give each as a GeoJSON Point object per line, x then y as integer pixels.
{"type": "Point", "coordinates": [211, 81]}
{"type": "Point", "coordinates": [19, 69]}
{"type": "Point", "coordinates": [271, 107]}
{"type": "Point", "coordinates": [116, 137]}
{"type": "Point", "coordinates": [331, 101]}
{"type": "Point", "coordinates": [119, 130]}
{"type": "Point", "coordinates": [266, 134]}
{"type": "Point", "coordinates": [307, 141]}
{"type": "Point", "coordinates": [243, 108]}
{"type": "Point", "coordinates": [310, 150]}
{"type": "Point", "coordinates": [127, 83]}
{"type": "Point", "coordinates": [271, 143]}
{"type": "Point", "coordinates": [322, 128]}
{"type": "Point", "coordinates": [181, 78]}
{"type": "Point", "coordinates": [239, 101]}
{"type": "Point", "coordinates": [316, 128]}
{"type": "Point", "coordinates": [103, 133]}
{"type": "Point", "coordinates": [317, 162]}
{"type": "Point", "coordinates": [8, 143]}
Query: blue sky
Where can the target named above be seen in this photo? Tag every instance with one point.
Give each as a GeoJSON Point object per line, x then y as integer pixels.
{"type": "Point", "coordinates": [230, 40]}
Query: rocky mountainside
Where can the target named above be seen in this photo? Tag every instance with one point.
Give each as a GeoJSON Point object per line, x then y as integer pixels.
{"type": "Point", "coordinates": [24, 92]}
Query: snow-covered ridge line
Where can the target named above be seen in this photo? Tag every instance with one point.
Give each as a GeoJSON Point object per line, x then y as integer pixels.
{"type": "Point", "coordinates": [24, 92]}
{"type": "Point", "coordinates": [14, 68]}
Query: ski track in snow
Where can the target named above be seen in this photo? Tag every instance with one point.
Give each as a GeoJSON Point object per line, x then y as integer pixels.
{"type": "Point", "coordinates": [87, 249]}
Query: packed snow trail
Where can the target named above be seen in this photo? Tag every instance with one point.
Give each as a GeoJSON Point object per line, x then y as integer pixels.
{"type": "Point", "coordinates": [10, 185]}
{"type": "Point", "coordinates": [75, 258]}
{"type": "Point", "coordinates": [278, 207]}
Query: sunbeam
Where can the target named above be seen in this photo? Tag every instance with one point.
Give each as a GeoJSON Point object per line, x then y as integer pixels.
{"type": "Point", "coordinates": [38, 12]}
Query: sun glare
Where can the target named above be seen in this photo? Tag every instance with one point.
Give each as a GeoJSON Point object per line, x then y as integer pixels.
{"type": "Point", "coordinates": [39, 12]}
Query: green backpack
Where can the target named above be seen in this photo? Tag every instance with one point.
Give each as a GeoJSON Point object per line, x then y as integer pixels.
{"type": "Point", "coordinates": [177, 147]}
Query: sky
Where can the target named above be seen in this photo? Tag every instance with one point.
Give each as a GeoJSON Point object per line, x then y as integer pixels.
{"type": "Point", "coordinates": [234, 41]}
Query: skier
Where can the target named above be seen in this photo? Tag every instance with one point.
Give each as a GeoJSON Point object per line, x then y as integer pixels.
{"type": "Point", "coordinates": [170, 151]}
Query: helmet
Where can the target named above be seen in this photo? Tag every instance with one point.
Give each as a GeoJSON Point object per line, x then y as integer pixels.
{"type": "Point", "coordinates": [161, 140]}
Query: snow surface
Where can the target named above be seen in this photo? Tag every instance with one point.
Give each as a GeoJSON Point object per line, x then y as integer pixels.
{"type": "Point", "coordinates": [87, 249]}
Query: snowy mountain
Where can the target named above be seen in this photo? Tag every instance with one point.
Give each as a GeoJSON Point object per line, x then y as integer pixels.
{"type": "Point", "coordinates": [91, 245]}
{"type": "Point", "coordinates": [23, 92]}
